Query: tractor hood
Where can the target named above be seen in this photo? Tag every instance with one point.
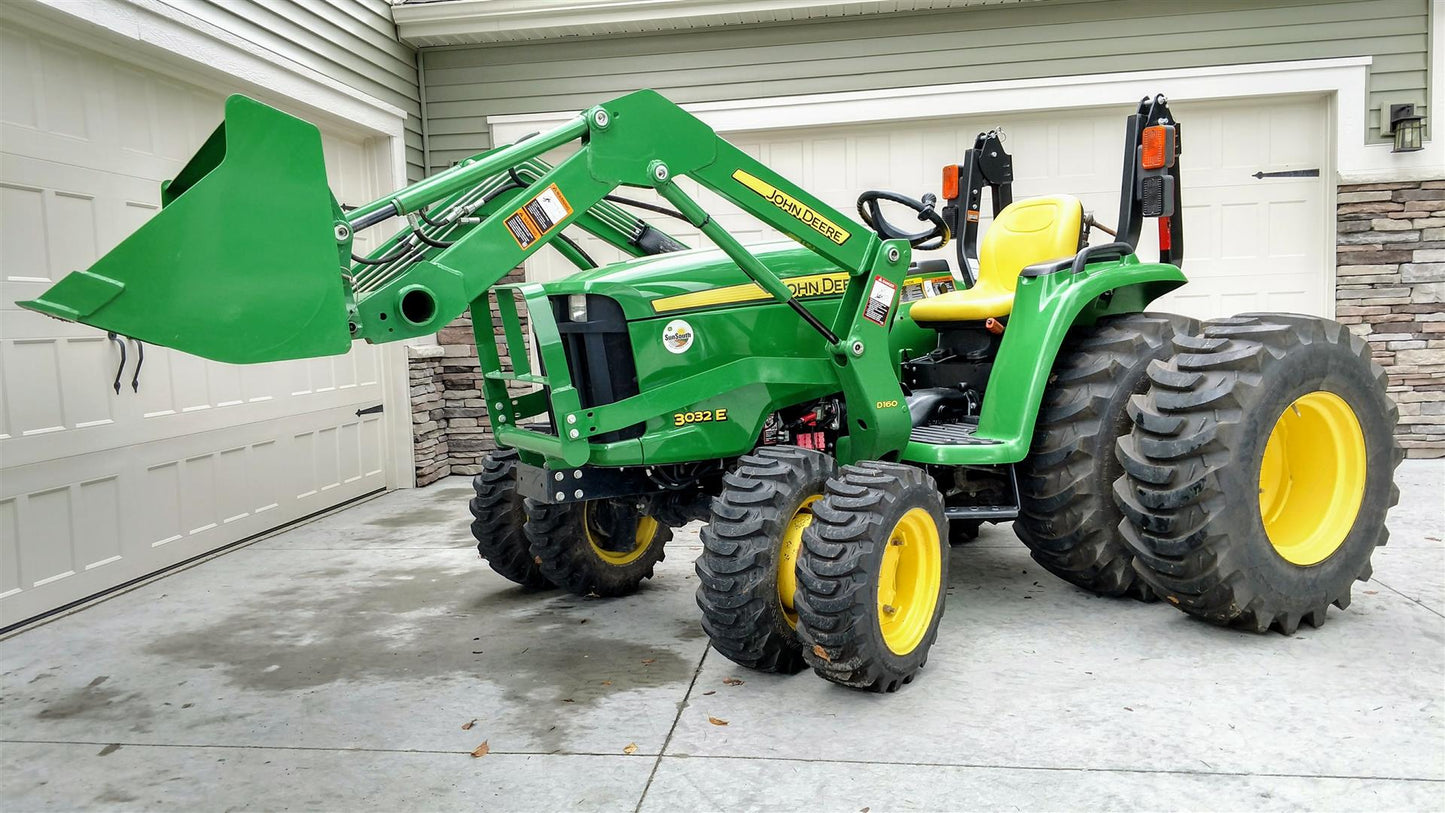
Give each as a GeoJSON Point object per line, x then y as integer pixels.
{"type": "Point", "coordinates": [701, 279]}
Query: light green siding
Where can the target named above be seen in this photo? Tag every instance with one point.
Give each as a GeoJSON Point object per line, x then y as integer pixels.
{"type": "Point", "coordinates": [352, 41]}
{"type": "Point", "coordinates": [464, 85]}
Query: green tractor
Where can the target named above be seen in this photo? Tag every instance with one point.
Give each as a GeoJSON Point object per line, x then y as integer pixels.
{"type": "Point", "coordinates": [835, 412]}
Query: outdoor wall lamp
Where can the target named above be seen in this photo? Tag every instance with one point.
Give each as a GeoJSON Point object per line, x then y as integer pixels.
{"type": "Point", "coordinates": [1405, 123]}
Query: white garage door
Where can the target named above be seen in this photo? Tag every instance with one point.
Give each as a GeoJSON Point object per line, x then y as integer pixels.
{"type": "Point", "coordinates": [1250, 244]}
{"type": "Point", "coordinates": [99, 487]}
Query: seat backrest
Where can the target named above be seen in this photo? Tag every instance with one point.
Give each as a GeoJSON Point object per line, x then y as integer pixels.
{"type": "Point", "coordinates": [1027, 232]}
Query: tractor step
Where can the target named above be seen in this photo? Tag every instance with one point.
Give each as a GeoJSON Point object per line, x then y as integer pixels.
{"type": "Point", "coordinates": [949, 434]}
{"type": "Point", "coordinates": [982, 512]}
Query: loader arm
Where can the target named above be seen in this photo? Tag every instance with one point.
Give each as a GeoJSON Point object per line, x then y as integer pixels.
{"type": "Point", "coordinates": [251, 258]}
{"type": "Point", "coordinates": [639, 140]}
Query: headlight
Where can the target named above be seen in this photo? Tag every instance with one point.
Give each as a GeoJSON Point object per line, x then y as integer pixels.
{"type": "Point", "coordinates": [577, 307]}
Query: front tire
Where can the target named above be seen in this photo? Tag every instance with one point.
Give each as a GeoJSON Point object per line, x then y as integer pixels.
{"type": "Point", "coordinates": [1067, 516]}
{"type": "Point", "coordinates": [599, 547]}
{"type": "Point", "coordinates": [1259, 471]}
{"type": "Point", "coordinates": [872, 576]}
{"type": "Point", "coordinates": [498, 516]}
{"type": "Point", "coordinates": [747, 571]}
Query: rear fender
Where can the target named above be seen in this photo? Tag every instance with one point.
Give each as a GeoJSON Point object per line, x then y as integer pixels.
{"type": "Point", "coordinates": [1044, 309]}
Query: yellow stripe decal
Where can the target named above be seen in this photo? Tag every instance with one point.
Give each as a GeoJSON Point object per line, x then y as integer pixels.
{"type": "Point", "coordinates": [793, 207]}
{"type": "Point", "coordinates": [802, 287]}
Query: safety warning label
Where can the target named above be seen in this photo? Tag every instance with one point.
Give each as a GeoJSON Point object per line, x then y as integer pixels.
{"type": "Point", "coordinates": [538, 216]}
{"type": "Point", "coordinates": [880, 301]}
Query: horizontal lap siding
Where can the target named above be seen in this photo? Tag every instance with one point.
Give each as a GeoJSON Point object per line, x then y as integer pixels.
{"type": "Point", "coordinates": [1057, 38]}
{"type": "Point", "coordinates": [351, 41]}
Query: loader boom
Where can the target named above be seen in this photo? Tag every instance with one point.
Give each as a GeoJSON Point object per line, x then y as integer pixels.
{"type": "Point", "coordinates": [252, 260]}
{"type": "Point", "coordinates": [638, 140]}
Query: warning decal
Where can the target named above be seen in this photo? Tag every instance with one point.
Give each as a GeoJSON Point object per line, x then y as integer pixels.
{"type": "Point", "coordinates": [538, 216]}
{"type": "Point", "coordinates": [880, 301]}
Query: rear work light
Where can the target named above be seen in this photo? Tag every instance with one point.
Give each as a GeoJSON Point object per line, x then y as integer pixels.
{"type": "Point", "coordinates": [1157, 149]}
{"type": "Point", "coordinates": [950, 182]}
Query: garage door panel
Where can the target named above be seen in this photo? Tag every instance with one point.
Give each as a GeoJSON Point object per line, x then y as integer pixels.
{"type": "Point", "coordinates": [144, 508]}
{"type": "Point", "coordinates": [100, 487]}
{"type": "Point", "coordinates": [33, 388]}
{"type": "Point", "coordinates": [22, 208]}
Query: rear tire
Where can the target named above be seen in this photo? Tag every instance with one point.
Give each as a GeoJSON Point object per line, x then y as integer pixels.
{"type": "Point", "coordinates": [746, 600]}
{"type": "Point", "coordinates": [873, 576]}
{"type": "Point", "coordinates": [1259, 471]}
{"type": "Point", "coordinates": [498, 515]}
{"type": "Point", "coordinates": [570, 545]}
{"type": "Point", "coordinates": [1067, 516]}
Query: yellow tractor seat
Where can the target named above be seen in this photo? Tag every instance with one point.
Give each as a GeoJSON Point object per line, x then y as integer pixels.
{"type": "Point", "coordinates": [1025, 233]}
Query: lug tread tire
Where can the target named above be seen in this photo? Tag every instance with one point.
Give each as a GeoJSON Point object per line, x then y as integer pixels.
{"type": "Point", "coordinates": [737, 571]}
{"type": "Point", "coordinates": [561, 551]}
{"type": "Point", "coordinates": [498, 515]}
{"type": "Point", "coordinates": [837, 594]}
{"type": "Point", "coordinates": [1189, 492]}
{"type": "Point", "coordinates": [1067, 516]}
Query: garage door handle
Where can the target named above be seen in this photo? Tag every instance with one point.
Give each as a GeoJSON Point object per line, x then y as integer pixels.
{"type": "Point", "coordinates": [369, 410]}
{"type": "Point", "coordinates": [1289, 173]}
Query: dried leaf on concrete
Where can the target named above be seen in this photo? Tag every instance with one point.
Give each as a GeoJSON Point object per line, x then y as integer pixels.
{"type": "Point", "coordinates": [732, 681]}
{"type": "Point", "coordinates": [630, 749]}
{"type": "Point", "coordinates": [468, 726]}
{"type": "Point", "coordinates": [481, 750]}
{"type": "Point", "coordinates": [822, 653]}
{"type": "Point", "coordinates": [716, 721]}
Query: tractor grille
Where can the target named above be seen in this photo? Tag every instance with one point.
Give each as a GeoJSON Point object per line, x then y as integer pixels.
{"type": "Point", "coordinates": [599, 357]}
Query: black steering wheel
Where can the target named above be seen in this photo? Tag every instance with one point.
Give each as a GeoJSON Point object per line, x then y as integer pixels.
{"type": "Point", "coordinates": [935, 237]}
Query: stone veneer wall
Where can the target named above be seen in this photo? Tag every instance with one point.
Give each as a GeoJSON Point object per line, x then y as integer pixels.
{"type": "Point", "coordinates": [1390, 289]}
{"type": "Point", "coordinates": [449, 426]}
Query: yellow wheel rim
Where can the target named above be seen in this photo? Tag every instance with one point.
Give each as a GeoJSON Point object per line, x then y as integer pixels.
{"type": "Point", "coordinates": [908, 581]}
{"type": "Point", "coordinates": [792, 543]}
{"type": "Point", "coordinates": [1312, 478]}
{"type": "Point", "coordinates": [646, 529]}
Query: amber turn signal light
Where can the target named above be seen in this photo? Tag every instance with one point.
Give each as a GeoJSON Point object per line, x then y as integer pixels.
{"type": "Point", "coordinates": [950, 182]}
{"type": "Point", "coordinates": [1155, 152]}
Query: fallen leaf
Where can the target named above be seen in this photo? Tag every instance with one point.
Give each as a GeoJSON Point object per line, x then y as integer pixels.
{"type": "Point", "coordinates": [716, 721]}
{"type": "Point", "coordinates": [705, 694]}
{"type": "Point", "coordinates": [1126, 708]}
{"type": "Point", "coordinates": [583, 621]}
{"type": "Point", "coordinates": [606, 683]}
{"type": "Point", "coordinates": [731, 681]}
{"type": "Point", "coordinates": [468, 726]}
{"type": "Point", "coordinates": [649, 660]}
{"type": "Point", "coordinates": [568, 700]}
{"type": "Point", "coordinates": [630, 749]}
{"type": "Point", "coordinates": [821, 652]}
{"type": "Point", "coordinates": [481, 750]}
{"type": "Point", "coordinates": [864, 810]}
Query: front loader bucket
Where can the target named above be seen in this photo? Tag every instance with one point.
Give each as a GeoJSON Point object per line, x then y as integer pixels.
{"type": "Point", "coordinates": [242, 263]}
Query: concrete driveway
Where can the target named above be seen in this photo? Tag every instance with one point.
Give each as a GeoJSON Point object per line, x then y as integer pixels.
{"type": "Point", "coordinates": [358, 660]}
